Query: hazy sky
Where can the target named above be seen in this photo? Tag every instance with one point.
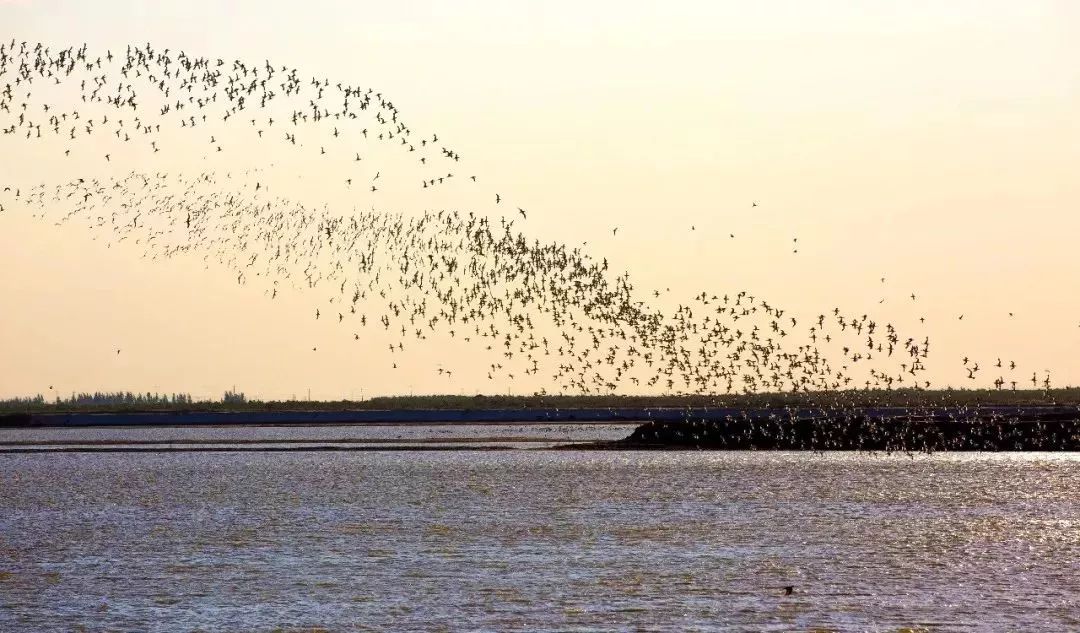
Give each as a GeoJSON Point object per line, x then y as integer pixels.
{"type": "Point", "coordinates": [934, 144]}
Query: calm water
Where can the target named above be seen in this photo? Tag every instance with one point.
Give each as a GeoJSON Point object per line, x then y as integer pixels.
{"type": "Point", "coordinates": [360, 435]}
{"type": "Point", "coordinates": [538, 540]}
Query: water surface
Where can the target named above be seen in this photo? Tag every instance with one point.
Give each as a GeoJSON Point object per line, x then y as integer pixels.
{"type": "Point", "coordinates": [538, 540]}
{"type": "Point", "coordinates": [356, 436]}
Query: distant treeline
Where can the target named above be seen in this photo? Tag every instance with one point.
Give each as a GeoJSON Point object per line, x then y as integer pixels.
{"type": "Point", "coordinates": [119, 400]}
{"type": "Point", "coordinates": [231, 401]}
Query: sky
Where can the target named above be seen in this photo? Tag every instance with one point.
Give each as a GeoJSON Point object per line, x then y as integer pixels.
{"type": "Point", "coordinates": [930, 144]}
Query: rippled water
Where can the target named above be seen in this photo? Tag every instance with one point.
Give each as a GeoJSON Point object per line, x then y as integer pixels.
{"type": "Point", "coordinates": [538, 540]}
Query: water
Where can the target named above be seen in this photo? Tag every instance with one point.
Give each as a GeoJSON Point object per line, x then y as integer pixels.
{"type": "Point", "coordinates": [533, 435]}
{"type": "Point", "coordinates": [538, 540]}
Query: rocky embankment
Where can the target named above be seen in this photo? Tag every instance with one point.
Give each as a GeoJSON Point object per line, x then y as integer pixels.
{"type": "Point", "coordinates": [1044, 429]}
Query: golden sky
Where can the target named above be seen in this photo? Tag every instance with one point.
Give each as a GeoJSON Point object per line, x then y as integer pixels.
{"type": "Point", "coordinates": [934, 144]}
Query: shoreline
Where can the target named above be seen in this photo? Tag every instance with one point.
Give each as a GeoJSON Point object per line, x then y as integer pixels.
{"type": "Point", "coordinates": [533, 416]}
{"type": "Point", "coordinates": [993, 428]}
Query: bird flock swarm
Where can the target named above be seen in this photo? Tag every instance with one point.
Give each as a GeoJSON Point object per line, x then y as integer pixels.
{"type": "Point", "coordinates": [546, 312]}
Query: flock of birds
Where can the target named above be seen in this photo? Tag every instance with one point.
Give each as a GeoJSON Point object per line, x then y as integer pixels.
{"type": "Point", "coordinates": [546, 311]}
